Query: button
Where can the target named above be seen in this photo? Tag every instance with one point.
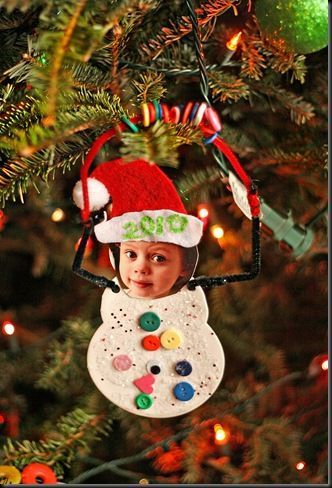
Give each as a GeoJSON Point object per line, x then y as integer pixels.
{"type": "Point", "coordinates": [183, 368]}
{"type": "Point", "coordinates": [149, 321]}
{"type": "Point", "coordinates": [151, 342]}
{"type": "Point", "coordinates": [143, 401]}
{"type": "Point", "coordinates": [170, 339]}
{"type": "Point", "coordinates": [122, 362]}
{"type": "Point", "coordinates": [183, 391]}
{"type": "Point", "coordinates": [153, 367]}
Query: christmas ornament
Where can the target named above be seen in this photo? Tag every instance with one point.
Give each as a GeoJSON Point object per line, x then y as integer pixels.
{"type": "Point", "coordinates": [155, 357]}
{"type": "Point", "coordinates": [154, 354]}
{"type": "Point", "coordinates": [38, 473]}
{"type": "Point", "coordinates": [301, 25]}
{"type": "Point", "coordinates": [9, 475]}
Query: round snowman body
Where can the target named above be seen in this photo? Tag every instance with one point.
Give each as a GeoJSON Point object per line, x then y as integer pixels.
{"type": "Point", "coordinates": [156, 357]}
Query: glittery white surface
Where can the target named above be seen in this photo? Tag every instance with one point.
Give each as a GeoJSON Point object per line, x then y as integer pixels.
{"type": "Point", "coordinates": [120, 333]}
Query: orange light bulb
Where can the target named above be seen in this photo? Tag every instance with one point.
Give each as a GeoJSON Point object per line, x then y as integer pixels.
{"type": "Point", "coordinates": [234, 41]}
{"type": "Point", "coordinates": [217, 231]}
{"type": "Point", "coordinates": [220, 435]}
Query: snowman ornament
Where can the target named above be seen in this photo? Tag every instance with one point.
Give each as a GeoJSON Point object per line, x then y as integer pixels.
{"type": "Point", "coordinates": [154, 354]}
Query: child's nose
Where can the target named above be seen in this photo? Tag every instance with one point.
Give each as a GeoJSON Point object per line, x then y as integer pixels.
{"type": "Point", "coordinates": [142, 266]}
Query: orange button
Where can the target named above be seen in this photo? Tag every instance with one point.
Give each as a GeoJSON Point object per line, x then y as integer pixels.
{"type": "Point", "coordinates": [151, 342]}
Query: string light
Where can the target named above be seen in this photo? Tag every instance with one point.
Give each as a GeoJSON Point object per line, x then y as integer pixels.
{"type": "Point", "coordinates": [319, 366]}
{"type": "Point", "coordinates": [203, 212]}
{"type": "Point", "coordinates": [8, 328]}
{"type": "Point", "coordinates": [58, 215]}
{"type": "Point", "coordinates": [325, 365]}
{"type": "Point", "coordinates": [217, 231]}
{"type": "Point", "coordinates": [234, 41]}
{"type": "Point", "coordinates": [300, 465]}
{"type": "Point", "coordinates": [220, 435]}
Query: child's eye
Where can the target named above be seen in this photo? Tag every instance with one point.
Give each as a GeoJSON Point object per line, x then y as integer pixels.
{"type": "Point", "coordinates": [158, 258]}
{"type": "Point", "coordinates": [130, 254]}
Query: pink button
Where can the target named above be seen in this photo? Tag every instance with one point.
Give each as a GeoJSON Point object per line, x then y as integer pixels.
{"type": "Point", "coordinates": [122, 362]}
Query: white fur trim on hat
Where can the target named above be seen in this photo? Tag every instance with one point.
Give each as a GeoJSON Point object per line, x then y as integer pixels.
{"type": "Point", "coordinates": [98, 194]}
{"type": "Point", "coordinates": [152, 226]}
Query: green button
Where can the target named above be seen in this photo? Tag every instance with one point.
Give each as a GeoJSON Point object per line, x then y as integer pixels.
{"type": "Point", "coordinates": [143, 401]}
{"type": "Point", "coordinates": [149, 321]}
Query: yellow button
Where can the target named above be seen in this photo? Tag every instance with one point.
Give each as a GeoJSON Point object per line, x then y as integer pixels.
{"type": "Point", "coordinates": [171, 339]}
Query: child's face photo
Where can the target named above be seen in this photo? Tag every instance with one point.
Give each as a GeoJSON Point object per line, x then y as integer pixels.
{"type": "Point", "coordinates": [150, 269]}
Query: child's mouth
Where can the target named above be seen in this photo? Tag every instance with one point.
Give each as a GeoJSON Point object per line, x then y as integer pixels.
{"type": "Point", "coordinates": [141, 284]}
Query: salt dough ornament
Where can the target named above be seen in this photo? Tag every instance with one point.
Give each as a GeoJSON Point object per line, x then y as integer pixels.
{"type": "Point", "coordinates": [154, 356]}
{"type": "Point", "coordinates": [175, 378]}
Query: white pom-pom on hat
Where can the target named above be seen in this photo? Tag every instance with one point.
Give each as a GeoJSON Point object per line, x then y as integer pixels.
{"type": "Point", "coordinates": [98, 194]}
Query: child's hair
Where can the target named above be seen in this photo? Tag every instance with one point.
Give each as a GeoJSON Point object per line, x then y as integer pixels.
{"type": "Point", "coordinates": [190, 258]}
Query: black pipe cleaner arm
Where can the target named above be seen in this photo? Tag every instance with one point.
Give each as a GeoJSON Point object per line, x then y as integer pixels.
{"type": "Point", "coordinates": [209, 282]}
{"type": "Point", "coordinates": [83, 273]}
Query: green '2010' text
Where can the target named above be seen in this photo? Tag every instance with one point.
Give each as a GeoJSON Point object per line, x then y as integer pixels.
{"type": "Point", "coordinates": [148, 226]}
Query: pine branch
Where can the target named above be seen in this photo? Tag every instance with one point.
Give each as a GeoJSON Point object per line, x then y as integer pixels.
{"type": "Point", "coordinates": [280, 434]}
{"type": "Point", "coordinates": [313, 159]}
{"type": "Point", "coordinates": [284, 61]}
{"type": "Point", "coordinates": [159, 143]}
{"type": "Point", "coordinates": [231, 474]}
{"type": "Point", "coordinates": [206, 15]}
{"type": "Point", "coordinates": [15, 28]}
{"type": "Point", "coordinates": [198, 186]}
{"type": "Point", "coordinates": [38, 150]}
{"type": "Point", "coordinates": [195, 428]}
{"type": "Point", "coordinates": [227, 87]}
{"type": "Point", "coordinates": [253, 61]}
{"type": "Point", "coordinates": [300, 111]}
{"type": "Point", "coordinates": [73, 434]}
{"type": "Point", "coordinates": [22, 5]}
{"type": "Point", "coordinates": [17, 175]}
{"type": "Point", "coordinates": [258, 53]}
{"type": "Point", "coordinates": [57, 61]}
{"type": "Point", "coordinates": [66, 359]}
{"type": "Point", "coordinates": [18, 115]}
{"type": "Point", "coordinates": [149, 87]}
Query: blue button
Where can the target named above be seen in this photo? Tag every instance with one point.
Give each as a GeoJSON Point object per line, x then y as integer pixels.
{"type": "Point", "coordinates": [149, 321]}
{"type": "Point", "coordinates": [183, 368]}
{"type": "Point", "coordinates": [183, 391]}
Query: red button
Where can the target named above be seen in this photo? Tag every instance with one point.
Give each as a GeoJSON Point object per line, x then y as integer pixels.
{"type": "Point", "coordinates": [151, 342]}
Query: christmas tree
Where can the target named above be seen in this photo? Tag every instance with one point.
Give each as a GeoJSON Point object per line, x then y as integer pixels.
{"type": "Point", "coordinates": [70, 71]}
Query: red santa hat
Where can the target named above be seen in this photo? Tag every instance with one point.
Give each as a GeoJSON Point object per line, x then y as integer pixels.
{"type": "Point", "coordinates": [145, 205]}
